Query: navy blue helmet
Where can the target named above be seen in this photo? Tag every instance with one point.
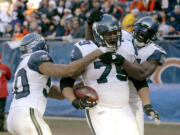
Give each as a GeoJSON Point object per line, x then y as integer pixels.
{"type": "Point", "coordinates": [145, 30]}
{"type": "Point", "coordinates": [107, 32]}
{"type": "Point", "coordinates": [33, 42]}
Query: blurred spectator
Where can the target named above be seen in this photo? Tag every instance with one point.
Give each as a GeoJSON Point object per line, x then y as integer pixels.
{"type": "Point", "coordinates": [84, 8]}
{"type": "Point", "coordinates": [60, 31]}
{"type": "Point", "coordinates": [77, 31]}
{"type": "Point", "coordinates": [17, 14]}
{"type": "Point", "coordinates": [68, 27]}
{"type": "Point", "coordinates": [43, 7]}
{"type": "Point", "coordinates": [30, 9]}
{"type": "Point", "coordinates": [81, 17]}
{"type": "Point", "coordinates": [67, 14]}
{"type": "Point", "coordinates": [86, 5]}
{"type": "Point", "coordinates": [52, 9]}
{"type": "Point", "coordinates": [9, 31]}
{"type": "Point", "coordinates": [25, 28]}
{"type": "Point", "coordinates": [34, 27]}
{"type": "Point", "coordinates": [68, 4]}
{"type": "Point", "coordinates": [5, 74]}
{"type": "Point", "coordinates": [117, 11]}
{"type": "Point", "coordinates": [174, 19]}
{"type": "Point", "coordinates": [107, 7]}
{"type": "Point", "coordinates": [137, 4]}
{"type": "Point", "coordinates": [96, 4]}
{"type": "Point", "coordinates": [75, 4]}
{"type": "Point", "coordinates": [45, 24]}
{"type": "Point", "coordinates": [5, 17]}
{"type": "Point", "coordinates": [61, 8]}
{"type": "Point", "coordinates": [154, 5]}
{"type": "Point", "coordinates": [129, 20]}
{"type": "Point", "coordinates": [164, 29]}
{"type": "Point", "coordinates": [17, 35]}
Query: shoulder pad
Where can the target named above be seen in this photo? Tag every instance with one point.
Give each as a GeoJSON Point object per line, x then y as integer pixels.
{"type": "Point", "coordinates": [159, 56]}
{"type": "Point", "coordinates": [157, 47]}
{"type": "Point", "coordinates": [82, 49]}
{"type": "Point", "coordinates": [37, 58]}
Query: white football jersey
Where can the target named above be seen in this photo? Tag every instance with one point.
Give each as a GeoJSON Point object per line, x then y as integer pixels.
{"type": "Point", "coordinates": [149, 52]}
{"type": "Point", "coordinates": [109, 80]}
{"type": "Point", "coordinates": [30, 87]}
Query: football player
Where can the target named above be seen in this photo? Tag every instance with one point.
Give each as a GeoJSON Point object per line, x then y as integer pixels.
{"type": "Point", "coordinates": [112, 114]}
{"type": "Point", "coordinates": [150, 56]}
{"type": "Point", "coordinates": [32, 83]}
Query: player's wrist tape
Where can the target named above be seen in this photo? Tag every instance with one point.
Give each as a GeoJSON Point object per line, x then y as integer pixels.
{"type": "Point", "coordinates": [148, 106]}
{"type": "Point", "coordinates": [66, 82]}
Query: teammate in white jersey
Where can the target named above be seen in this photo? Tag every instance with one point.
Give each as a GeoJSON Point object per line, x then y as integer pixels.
{"type": "Point", "coordinates": [150, 56]}
{"type": "Point", "coordinates": [144, 32]}
{"type": "Point", "coordinates": [31, 86]}
{"type": "Point", "coordinates": [112, 114]}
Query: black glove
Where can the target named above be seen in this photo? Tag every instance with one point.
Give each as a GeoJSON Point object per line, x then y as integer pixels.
{"type": "Point", "coordinates": [83, 103]}
{"type": "Point", "coordinates": [95, 16]}
{"type": "Point", "coordinates": [111, 57]}
{"type": "Point", "coordinates": [151, 113]}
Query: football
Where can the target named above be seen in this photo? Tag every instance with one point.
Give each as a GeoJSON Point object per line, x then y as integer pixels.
{"type": "Point", "coordinates": [83, 91]}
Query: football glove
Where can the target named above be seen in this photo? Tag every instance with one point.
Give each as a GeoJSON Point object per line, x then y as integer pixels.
{"type": "Point", "coordinates": [112, 57]}
{"type": "Point", "coordinates": [152, 114]}
{"type": "Point", "coordinates": [83, 103]}
{"type": "Point", "coordinates": [94, 16]}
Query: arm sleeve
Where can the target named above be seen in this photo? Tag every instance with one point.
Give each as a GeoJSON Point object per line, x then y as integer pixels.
{"type": "Point", "coordinates": [37, 59]}
{"type": "Point", "coordinates": [139, 84]}
{"type": "Point", "coordinates": [66, 82]}
{"type": "Point", "coordinates": [76, 54]}
{"type": "Point", "coordinates": [159, 56]}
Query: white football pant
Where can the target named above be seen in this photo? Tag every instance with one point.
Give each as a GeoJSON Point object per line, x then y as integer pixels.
{"type": "Point", "coordinates": [112, 121]}
{"type": "Point", "coordinates": [137, 109]}
{"type": "Point", "coordinates": [26, 121]}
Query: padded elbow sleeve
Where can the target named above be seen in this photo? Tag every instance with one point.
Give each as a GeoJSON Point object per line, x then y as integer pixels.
{"type": "Point", "coordinates": [139, 84]}
{"type": "Point", "coordinates": [66, 82]}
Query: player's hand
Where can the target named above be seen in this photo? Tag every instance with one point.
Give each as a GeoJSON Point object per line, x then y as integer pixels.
{"type": "Point", "coordinates": [152, 114]}
{"type": "Point", "coordinates": [94, 16]}
{"type": "Point", "coordinates": [111, 57]}
{"type": "Point", "coordinates": [83, 103]}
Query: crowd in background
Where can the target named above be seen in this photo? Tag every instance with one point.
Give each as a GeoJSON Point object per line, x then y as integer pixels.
{"type": "Point", "coordinates": [66, 18]}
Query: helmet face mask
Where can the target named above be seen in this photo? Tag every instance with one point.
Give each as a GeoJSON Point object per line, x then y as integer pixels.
{"type": "Point", "coordinates": [111, 39]}
{"type": "Point", "coordinates": [145, 31]}
{"type": "Point", "coordinates": [107, 32]}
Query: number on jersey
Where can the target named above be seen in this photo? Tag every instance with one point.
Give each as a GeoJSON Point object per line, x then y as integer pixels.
{"type": "Point", "coordinates": [21, 77]}
{"type": "Point", "coordinates": [121, 74]}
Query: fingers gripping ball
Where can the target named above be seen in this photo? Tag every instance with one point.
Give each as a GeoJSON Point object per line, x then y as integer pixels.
{"type": "Point", "coordinates": [86, 91]}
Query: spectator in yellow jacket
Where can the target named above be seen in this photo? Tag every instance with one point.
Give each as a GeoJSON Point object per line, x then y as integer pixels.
{"type": "Point", "coordinates": [129, 20]}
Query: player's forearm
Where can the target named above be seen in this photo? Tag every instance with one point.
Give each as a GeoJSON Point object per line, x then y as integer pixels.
{"type": "Point", "coordinates": [69, 94]}
{"type": "Point", "coordinates": [77, 67]}
{"type": "Point", "coordinates": [88, 32]}
{"type": "Point", "coordinates": [144, 95]}
{"type": "Point", "coordinates": [134, 70]}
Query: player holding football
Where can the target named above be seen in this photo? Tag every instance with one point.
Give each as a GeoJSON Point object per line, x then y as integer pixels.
{"type": "Point", "coordinates": [150, 56]}
{"type": "Point", "coordinates": [112, 114]}
{"type": "Point", "coordinates": [32, 83]}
